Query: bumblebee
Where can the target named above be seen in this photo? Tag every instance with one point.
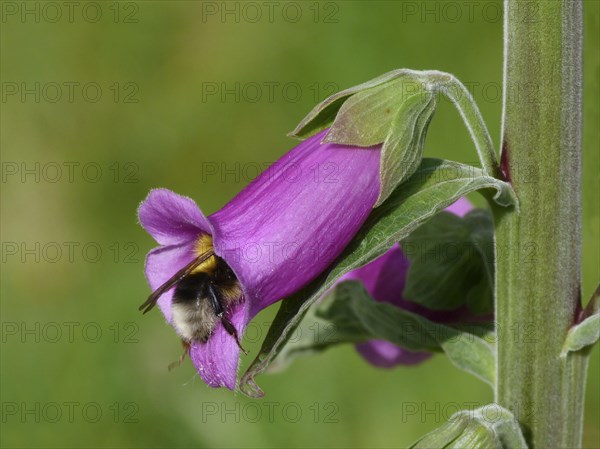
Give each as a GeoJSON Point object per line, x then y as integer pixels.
{"type": "Point", "coordinates": [205, 289]}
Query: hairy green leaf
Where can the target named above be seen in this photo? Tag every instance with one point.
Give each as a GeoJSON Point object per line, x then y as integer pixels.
{"type": "Point", "coordinates": [452, 262]}
{"type": "Point", "coordinates": [349, 315]}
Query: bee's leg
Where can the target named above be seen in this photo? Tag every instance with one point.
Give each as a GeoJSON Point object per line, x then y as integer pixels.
{"type": "Point", "coordinates": [231, 330]}
{"type": "Point", "coordinates": [220, 312]}
{"type": "Point", "coordinates": [186, 351]}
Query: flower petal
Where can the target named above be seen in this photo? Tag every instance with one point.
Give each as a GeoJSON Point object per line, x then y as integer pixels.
{"type": "Point", "coordinates": [460, 207]}
{"type": "Point", "coordinates": [217, 360]}
{"type": "Point", "coordinates": [385, 278]}
{"type": "Point", "coordinates": [384, 354]}
{"type": "Point", "coordinates": [291, 222]}
{"type": "Point", "coordinates": [172, 219]}
{"type": "Point", "coordinates": [161, 264]}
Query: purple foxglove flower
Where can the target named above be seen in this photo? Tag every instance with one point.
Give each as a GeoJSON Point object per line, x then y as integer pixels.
{"type": "Point", "coordinates": [384, 279]}
{"type": "Point", "coordinates": [276, 235]}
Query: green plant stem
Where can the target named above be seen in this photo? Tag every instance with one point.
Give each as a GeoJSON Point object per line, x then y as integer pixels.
{"type": "Point", "coordinates": [539, 248]}
{"type": "Point", "coordinates": [458, 94]}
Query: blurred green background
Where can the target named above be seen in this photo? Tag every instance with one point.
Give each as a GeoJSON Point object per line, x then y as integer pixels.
{"type": "Point", "coordinates": [102, 102]}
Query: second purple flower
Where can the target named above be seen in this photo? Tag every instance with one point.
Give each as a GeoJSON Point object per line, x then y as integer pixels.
{"type": "Point", "coordinates": [384, 279]}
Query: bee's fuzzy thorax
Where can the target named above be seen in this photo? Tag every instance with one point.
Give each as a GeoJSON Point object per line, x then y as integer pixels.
{"type": "Point", "coordinates": [203, 245]}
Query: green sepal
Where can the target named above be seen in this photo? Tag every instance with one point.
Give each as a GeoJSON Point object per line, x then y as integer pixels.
{"type": "Point", "coordinates": [395, 110]}
{"type": "Point", "coordinates": [323, 114]}
{"type": "Point", "coordinates": [452, 262]}
{"type": "Point", "coordinates": [397, 114]}
{"type": "Point", "coordinates": [402, 149]}
{"type": "Point", "coordinates": [366, 118]}
{"type": "Point", "coordinates": [488, 427]}
{"type": "Point", "coordinates": [427, 192]}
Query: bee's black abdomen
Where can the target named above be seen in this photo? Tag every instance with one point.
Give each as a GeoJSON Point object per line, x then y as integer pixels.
{"type": "Point", "coordinates": [192, 288]}
{"type": "Point", "coordinates": [203, 298]}
{"type": "Point", "coordinates": [222, 273]}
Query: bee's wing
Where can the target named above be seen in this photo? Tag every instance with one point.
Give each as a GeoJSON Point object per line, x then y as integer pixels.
{"type": "Point", "coordinates": [185, 271]}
